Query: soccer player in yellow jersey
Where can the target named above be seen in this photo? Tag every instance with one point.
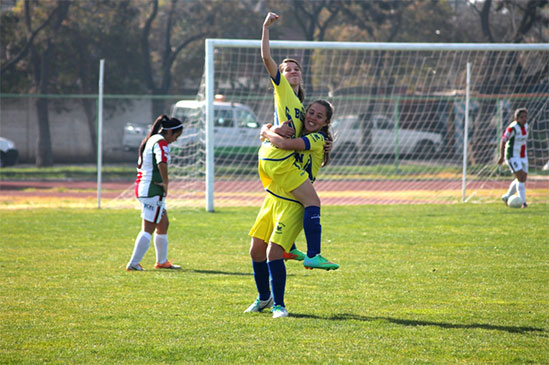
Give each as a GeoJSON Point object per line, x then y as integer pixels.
{"type": "Point", "coordinates": [280, 219]}
{"type": "Point", "coordinates": [279, 165]}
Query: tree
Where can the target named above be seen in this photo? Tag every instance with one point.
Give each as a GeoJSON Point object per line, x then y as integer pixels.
{"type": "Point", "coordinates": [514, 21]}
{"type": "Point", "coordinates": [165, 52]}
{"type": "Point", "coordinates": [84, 46]}
{"type": "Point", "coordinates": [91, 31]}
{"type": "Point", "coordinates": [41, 56]}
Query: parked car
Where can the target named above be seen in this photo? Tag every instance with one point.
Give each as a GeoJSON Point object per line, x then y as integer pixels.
{"type": "Point", "coordinates": [377, 135]}
{"type": "Point", "coordinates": [133, 135]}
{"type": "Point", "coordinates": [236, 129]}
{"type": "Point", "coordinates": [8, 153]}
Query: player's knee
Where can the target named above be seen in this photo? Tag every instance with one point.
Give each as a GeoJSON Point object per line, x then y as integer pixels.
{"type": "Point", "coordinates": [311, 201]}
{"type": "Point", "coordinates": [274, 252]}
{"type": "Point", "coordinates": [258, 251]}
{"type": "Point", "coordinates": [257, 255]}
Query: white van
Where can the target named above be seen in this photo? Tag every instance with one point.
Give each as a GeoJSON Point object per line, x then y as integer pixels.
{"type": "Point", "coordinates": [236, 129]}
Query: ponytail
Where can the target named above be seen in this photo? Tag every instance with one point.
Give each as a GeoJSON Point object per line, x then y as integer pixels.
{"type": "Point", "coordinates": [327, 131]}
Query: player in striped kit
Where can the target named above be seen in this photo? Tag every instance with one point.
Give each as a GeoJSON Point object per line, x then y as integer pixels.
{"type": "Point", "coordinates": [513, 151]}
{"type": "Point", "coordinates": [151, 189]}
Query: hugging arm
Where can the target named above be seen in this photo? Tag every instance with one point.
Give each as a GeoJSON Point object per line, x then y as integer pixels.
{"type": "Point", "coordinates": [281, 142]}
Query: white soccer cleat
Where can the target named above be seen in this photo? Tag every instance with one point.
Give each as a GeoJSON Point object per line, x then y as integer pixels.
{"type": "Point", "coordinates": [505, 198]}
{"type": "Point", "coordinates": [259, 305]}
{"type": "Point", "coordinates": [279, 311]}
{"type": "Point", "coordinates": [137, 267]}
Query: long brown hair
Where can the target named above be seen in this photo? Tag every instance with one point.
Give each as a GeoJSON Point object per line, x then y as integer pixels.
{"type": "Point", "coordinates": [517, 113]}
{"type": "Point", "coordinates": [163, 121]}
{"type": "Point", "coordinates": [326, 130]}
{"type": "Point", "coordinates": [301, 90]}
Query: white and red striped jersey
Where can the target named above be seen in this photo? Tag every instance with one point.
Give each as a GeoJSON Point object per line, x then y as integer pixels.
{"type": "Point", "coordinates": [515, 137]}
{"type": "Point", "coordinates": [156, 151]}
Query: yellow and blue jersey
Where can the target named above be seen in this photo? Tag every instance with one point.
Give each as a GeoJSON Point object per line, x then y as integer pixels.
{"type": "Point", "coordinates": [306, 165]}
{"type": "Point", "coordinates": [311, 158]}
{"type": "Point", "coordinates": [287, 107]}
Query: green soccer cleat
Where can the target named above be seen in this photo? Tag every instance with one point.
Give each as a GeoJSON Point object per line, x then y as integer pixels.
{"type": "Point", "coordinates": [279, 311]}
{"type": "Point", "coordinates": [319, 262]}
{"type": "Point", "coordinates": [294, 254]}
{"type": "Point", "coordinates": [259, 305]}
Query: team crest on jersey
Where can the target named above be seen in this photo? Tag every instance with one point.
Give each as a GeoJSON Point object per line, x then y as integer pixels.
{"type": "Point", "coordinates": [279, 228]}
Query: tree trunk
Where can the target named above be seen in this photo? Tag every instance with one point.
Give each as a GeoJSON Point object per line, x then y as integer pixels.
{"type": "Point", "coordinates": [41, 72]}
{"type": "Point", "coordinates": [158, 108]}
{"type": "Point", "coordinates": [91, 122]}
{"type": "Point", "coordinates": [44, 156]}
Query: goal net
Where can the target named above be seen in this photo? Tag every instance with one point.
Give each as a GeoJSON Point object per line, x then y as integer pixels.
{"type": "Point", "coordinates": [413, 123]}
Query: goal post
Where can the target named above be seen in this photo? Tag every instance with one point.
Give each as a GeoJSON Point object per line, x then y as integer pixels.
{"type": "Point", "coordinates": [401, 111]}
{"type": "Point", "coordinates": [450, 58]}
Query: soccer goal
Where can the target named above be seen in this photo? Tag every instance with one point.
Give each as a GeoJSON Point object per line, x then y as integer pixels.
{"type": "Point", "coordinates": [414, 123]}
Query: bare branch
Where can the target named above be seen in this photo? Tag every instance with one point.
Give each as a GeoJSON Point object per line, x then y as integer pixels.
{"type": "Point", "coordinates": [23, 52]}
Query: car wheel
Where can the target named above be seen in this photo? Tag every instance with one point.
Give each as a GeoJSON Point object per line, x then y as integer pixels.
{"type": "Point", "coordinates": [11, 157]}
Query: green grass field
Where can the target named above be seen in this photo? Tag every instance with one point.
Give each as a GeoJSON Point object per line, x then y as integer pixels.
{"type": "Point", "coordinates": [457, 283]}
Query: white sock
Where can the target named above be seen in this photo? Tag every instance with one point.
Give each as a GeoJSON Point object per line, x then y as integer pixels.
{"type": "Point", "coordinates": [522, 191]}
{"type": "Point", "coordinates": [142, 243]}
{"type": "Point", "coordinates": [161, 245]}
{"type": "Point", "coordinates": [512, 188]}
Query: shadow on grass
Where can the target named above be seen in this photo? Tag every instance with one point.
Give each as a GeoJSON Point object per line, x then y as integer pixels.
{"type": "Point", "coordinates": [217, 272]}
{"type": "Point", "coordinates": [412, 322]}
{"type": "Point", "coordinates": [184, 270]}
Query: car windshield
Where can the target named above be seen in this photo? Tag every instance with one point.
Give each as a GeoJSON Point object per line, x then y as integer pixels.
{"type": "Point", "coordinates": [246, 119]}
{"type": "Point", "coordinates": [187, 114]}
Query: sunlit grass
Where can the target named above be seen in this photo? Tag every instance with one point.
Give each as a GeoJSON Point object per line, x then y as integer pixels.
{"type": "Point", "coordinates": [422, 283]}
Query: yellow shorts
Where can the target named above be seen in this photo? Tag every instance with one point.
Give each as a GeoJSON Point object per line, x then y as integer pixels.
{"type": "Point", "coordinates": [286, 173]}
{"type": "Point", "coordinates": [278, 221]}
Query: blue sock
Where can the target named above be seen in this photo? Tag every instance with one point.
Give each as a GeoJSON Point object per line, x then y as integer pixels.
{"type": "Point", "coordinates": [312, 229]}
{"type": "Point", "coordinates": [293, 247]}
{"type": "Point", "coordinates": [277, 269]}
{"type": "Point", "coordinates": [261, 276]}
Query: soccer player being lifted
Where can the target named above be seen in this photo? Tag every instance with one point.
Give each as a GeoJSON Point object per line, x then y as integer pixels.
{"type": "Point", "coordinates": [278, 165]}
